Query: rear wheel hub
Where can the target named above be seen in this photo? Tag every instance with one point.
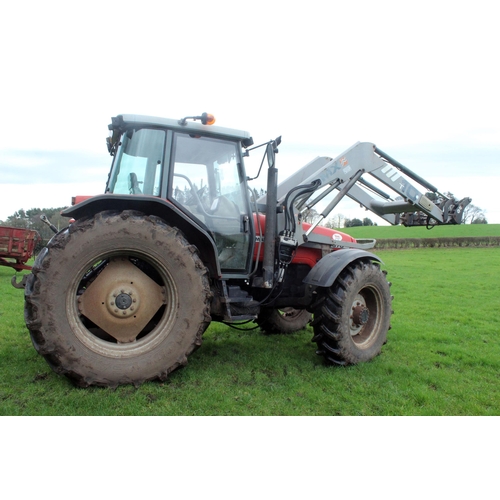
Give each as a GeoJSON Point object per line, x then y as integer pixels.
{"type": "Point", "coordinates": [122, 300]}
{"type": "Point", "coordinates": [121, 303]}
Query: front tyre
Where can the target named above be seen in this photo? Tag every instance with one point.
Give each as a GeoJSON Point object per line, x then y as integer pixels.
{"type": "Point", "coordinates": [352, 317]}
{"type": "Point", "coordinates": [116, 299]}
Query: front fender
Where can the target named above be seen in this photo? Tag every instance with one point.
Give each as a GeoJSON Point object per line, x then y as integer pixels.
{"type": "Point", "coordinates": [326, 271]}
{"type": "Point", "coordinates": [151, 205]}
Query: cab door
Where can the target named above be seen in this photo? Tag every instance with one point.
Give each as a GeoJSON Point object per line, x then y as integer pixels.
{"type": "Point", "coordinates": [207, 182]}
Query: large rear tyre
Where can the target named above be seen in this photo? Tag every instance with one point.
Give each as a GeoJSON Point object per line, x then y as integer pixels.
{"type": "Point", "coordinates": [285, 320]}
{"type": "Point", "coordinates": [352, 317]}
{"type": "Point", "coordinates": [117, 299]}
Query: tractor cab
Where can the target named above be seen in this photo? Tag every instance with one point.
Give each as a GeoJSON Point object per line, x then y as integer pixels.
{"type": "Point", "coordinates": [200, 172]}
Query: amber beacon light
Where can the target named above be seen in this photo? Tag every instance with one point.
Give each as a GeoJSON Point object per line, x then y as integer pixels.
{"type": "Point", "coordinates": [205, 118]}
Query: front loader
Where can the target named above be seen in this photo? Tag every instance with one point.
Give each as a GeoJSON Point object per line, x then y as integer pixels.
{"type": "Point", "coordinates": [178, 239]}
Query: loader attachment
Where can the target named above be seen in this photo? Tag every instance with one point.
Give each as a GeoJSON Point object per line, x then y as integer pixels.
{"type": "Point", "coordinates": [409, 200]}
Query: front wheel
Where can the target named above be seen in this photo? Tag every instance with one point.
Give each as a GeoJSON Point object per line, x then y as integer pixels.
{"type": "Point", "coordinates": [352, 317]}
{"type": "Point", "coordinates": [118, 298]}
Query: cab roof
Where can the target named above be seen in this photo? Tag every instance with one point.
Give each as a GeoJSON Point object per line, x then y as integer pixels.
{"type": "Point", "coordinates": [125, 121]}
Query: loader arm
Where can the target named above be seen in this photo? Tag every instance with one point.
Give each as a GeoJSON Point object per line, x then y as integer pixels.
{"type": "Point", "coordinates": [409, 200]}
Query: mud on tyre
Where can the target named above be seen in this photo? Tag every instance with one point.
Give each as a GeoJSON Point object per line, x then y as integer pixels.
{"type": "Point", "coordinates": [117, 298]}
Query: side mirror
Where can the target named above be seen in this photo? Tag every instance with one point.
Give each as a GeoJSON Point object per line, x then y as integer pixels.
{"type": "Point", "coordinates": [271, 158]}
{"type": "Point", "coordinates": [272, 149]}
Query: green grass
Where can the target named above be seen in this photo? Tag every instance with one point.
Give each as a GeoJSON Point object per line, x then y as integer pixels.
{"type": "Point", "coordinates": [442, 357]}
{"type": "Point", "coordinates": [381, 232]}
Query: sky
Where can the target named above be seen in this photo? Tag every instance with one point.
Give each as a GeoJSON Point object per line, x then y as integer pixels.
{"type": "Point", "coordinates": [418, 79]}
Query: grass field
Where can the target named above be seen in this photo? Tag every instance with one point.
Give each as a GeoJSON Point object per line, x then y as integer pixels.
{"type": "Point", "coordinates": [442, 357]}
{"type": "Point", "coordinates": [380, 232]}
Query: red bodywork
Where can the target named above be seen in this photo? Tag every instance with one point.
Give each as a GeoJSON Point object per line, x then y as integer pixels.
{"type": "Point", "coordinates": [303, 255]}
{"type": "Point", "coordinates": [18, 245]}
{"type": "Point", "coordinates": [79, 198]}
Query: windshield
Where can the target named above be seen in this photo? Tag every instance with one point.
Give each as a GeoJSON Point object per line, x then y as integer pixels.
{"type": "Point", "coordinates": [137, 167]}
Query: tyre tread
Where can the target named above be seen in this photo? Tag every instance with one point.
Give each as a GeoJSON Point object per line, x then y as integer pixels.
{"type": "Point", "coordinates": [330, 335]}
{"type": "Point", "coordinates": [60, 361]}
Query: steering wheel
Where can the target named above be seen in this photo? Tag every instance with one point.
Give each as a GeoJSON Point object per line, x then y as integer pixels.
{"type": "Point", "coordinates": [224, 207]}
{"type": "Point", "coordinates": [195, 197]}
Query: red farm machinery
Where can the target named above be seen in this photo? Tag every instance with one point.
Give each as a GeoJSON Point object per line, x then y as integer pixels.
{"type": "Point", "coordinates": [124, 293]}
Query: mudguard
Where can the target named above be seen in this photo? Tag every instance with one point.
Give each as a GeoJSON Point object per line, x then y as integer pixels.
{"type": "Point", "coordinates": [326, 271]}
{"type": "Point", "coordinates": [151, 205]}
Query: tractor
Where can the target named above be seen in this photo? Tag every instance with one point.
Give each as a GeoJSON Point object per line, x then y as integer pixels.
{"type": "Point", "coordinates": [124, 293]}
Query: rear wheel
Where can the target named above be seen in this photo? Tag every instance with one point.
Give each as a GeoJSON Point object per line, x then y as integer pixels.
{"type": "Point", "coordinates": [285, 320]}
{"type": "Point", "coordinates": [352, 317]}
{"type": "Point", "coordinates": [117, 299]}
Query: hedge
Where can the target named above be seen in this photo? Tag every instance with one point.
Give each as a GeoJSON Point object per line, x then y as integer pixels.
{"type": "Point", "coordinates": [472, 241]}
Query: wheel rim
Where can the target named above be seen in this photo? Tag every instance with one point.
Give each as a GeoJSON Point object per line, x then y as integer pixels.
{"type": "Point", "coordinates": [122, 305]}
{"type": "Point", "coordinates": [365, 318]}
